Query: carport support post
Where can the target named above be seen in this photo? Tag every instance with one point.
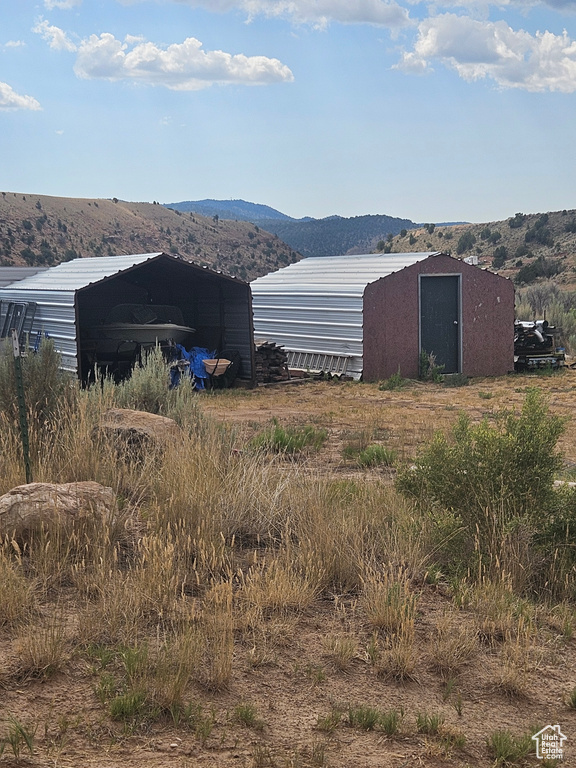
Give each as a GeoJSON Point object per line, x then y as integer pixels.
{"type": "Point", "coordinates": [21, 405]}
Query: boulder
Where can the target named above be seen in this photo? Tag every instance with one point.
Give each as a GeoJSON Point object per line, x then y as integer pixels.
{"type": "Point", "coordinates": [138, 429]}
{"type": "Point", "coordinates": [27, 507]}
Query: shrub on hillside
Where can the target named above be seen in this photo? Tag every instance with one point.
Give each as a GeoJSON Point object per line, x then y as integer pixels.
{"type": "Point", "coordinates": [540, 267]}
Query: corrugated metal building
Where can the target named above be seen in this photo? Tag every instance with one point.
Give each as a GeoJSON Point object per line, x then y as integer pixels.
{"type": "Point", "coordinates": [74, 299]}
{"type": "Point", "coordinates": [372, 315]}
{"type": "Point", "coordinates": [9, 275]}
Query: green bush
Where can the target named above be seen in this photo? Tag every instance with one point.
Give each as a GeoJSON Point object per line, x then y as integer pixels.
{"type": "Point", "coordinates": [427, 368]}
{"type": "Point", "coordinates": [47, 388]}
{"type": "Point", "coordinates": [396, 381]}
{"type": "Point", "coordinates": [455, 380]}
{"type": "Point", "coordinates": [517, 221]}
{"type": "Point", "coordinates": [508, 749]}
{"type": "Point", "coordinates": [540, 267]}
{"type": "Point", "coordinates": [488, 477]}
{"type": "Point", "coordinates": [465, 242]}
{"type": "Point", "coordinates": [289, 440]}
{"type": "Point", "coordinates": [377, 455]}
{"type": "Point", "coordinates": [147, 387]}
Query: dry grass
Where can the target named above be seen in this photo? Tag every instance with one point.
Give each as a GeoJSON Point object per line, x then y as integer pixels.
{"type": "Point", "coordinates": [220, 573]}
{"type": "Point", "coordinates": [454, 646]}
{"type": "Point", "coordinates": [341, 650]}
{"type": "Point", "coordinates": [388, 601]}
{"type": "Point", "coordinates": [44, 648]}
{"type": "Point", "coordinates": [18, 592]}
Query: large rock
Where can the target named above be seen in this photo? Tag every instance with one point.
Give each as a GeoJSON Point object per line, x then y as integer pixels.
{"type": "Point", "coordinates": [138, 429]}
{"type": "Point", "coordinates": [27, 507]}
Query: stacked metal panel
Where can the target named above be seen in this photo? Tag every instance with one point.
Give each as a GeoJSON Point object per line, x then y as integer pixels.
{"type": "Point", "coordinates": [314, 308]}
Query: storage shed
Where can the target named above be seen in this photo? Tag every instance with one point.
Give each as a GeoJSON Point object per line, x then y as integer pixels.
{"type": "Point", "coordinates": [94, 309]}
{"type": "Point", "coordinates": [371, 315]}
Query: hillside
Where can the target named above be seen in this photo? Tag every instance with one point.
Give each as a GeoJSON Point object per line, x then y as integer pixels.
{"type": "Point", "coordinates": [331, 236]}
{"type": "Point", "coordinates": [38, 229]}
{"type": "Point", "coordinates": [524, 248]}
{"type": "Point", "coordinates": [336, 234]}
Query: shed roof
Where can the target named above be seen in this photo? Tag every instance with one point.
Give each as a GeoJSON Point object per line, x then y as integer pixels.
{"type": "Point", "coordinates": [78, 273]}
{"type": "Point", "coordinates": [9, 275]}
{"type": "Point", "coordinates": [329, 275]}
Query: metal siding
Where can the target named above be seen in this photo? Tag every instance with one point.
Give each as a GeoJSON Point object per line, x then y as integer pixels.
{"type": "Point", "coordinates": [55, 316]}
{"type": "Point", "coordinates": [316, 305]}
{"type": "Point", "coordinates": [238, 329]}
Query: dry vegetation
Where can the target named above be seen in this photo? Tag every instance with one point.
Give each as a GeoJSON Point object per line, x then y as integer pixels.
{"type": "Point", "coordinates": [244, 607]}
{"type": "Point", "coordinates": [43, 230]}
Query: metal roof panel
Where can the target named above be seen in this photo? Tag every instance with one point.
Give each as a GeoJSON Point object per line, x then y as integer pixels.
{"type": "Point", "coordinates": [78, 273]}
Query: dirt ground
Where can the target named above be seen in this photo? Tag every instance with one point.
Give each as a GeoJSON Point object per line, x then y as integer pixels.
{"type": "Point", "coordinates": [290, 676]}
{"type": "Point", "coordinates": [403, 419]}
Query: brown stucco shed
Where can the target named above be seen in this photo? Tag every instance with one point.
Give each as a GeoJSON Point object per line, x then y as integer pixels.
{"type": "Point", "coordinates": [462, 314]}
{"type": "Point", "coordinates": [370, 316]}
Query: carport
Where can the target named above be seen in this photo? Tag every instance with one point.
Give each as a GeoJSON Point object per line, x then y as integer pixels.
{"type": "Point", "coordinates": [75, 301]}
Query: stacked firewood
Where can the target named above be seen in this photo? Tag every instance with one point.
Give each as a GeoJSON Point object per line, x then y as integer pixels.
{"type": "Point", "coordinates": [271, 362]}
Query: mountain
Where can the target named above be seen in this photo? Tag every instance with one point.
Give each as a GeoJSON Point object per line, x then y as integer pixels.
{"type": "Point", "coordinates": [43, 230]}
{"type": "Point", "coordinates": [330, 236]}
{"type": "Point", "coordinates": [239, 210]}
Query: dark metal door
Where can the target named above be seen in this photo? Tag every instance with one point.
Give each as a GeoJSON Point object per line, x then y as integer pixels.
{"type": "Point", "coordinates": [440, 319]}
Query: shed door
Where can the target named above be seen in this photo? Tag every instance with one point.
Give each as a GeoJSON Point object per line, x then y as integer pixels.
{"type": "Point", "coordinates": [440, 319]}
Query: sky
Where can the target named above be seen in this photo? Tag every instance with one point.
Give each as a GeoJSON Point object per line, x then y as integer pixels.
{"type": "Point", "coordinates": [431, 110]}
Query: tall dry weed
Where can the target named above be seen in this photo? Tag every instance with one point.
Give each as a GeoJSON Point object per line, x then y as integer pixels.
{"type": "Point", "coordinates": [388, 600]}
{"type": "Point", "coordinates": [497, 609]}
{"type": "Point", "coordinates": [281, 582]}
{"type": "Point", "coordinates": [217, 638]}
{"type": "Point", "coordinates": [44, 647]}
{"type": "Point", "coordinates": [18, 599]}
{"type": "Point", "coordinates": [454, 646]}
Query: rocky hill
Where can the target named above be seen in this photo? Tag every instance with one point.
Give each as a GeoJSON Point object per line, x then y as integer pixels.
{"type": "Point", "coordinates": [43, 230]}
{"type": "Point", "coordinates": [526, 247]}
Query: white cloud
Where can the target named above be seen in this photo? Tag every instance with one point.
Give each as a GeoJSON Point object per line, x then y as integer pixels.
{"type": "Point", "coordinates": [482, 49]}
{"type": "Point", "coordinates": [14, 44]}
{"type": "Point", "coordinates": [62, 4]}
{"type": "Point", "coordinates": [385, 13]}
{"type": "Point", "coordinates": [181, 66]}
{"type": "Point", "coordinates": [55, 36]}
{"type": "Point", "coordinates": [9, 99]}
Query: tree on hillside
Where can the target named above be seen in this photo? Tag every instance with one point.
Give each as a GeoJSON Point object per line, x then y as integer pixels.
{"type": "Point", "coordinates": [465, 242]}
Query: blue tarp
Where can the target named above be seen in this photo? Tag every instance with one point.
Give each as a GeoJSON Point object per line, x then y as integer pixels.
{"type": "Point", "coordinates": [197, 369]}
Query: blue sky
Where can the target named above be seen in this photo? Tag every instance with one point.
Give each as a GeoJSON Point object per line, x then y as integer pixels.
{"type": "Point", "coordinates": [444, 110]}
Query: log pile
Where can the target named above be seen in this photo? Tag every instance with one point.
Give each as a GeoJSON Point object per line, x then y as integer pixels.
{"type": "Point", "coordinates": [271, 362]}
